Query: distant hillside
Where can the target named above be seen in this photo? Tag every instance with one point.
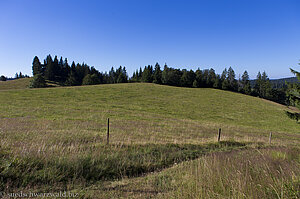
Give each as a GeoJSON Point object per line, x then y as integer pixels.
{"type": "Point", "coordinates": [15, 84]}
{"type": "Point", "coordinates": [278, 83]}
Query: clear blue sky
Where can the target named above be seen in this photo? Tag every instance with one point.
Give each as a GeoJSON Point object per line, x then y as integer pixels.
{"type": "Point", "coordinates": [248, 35]}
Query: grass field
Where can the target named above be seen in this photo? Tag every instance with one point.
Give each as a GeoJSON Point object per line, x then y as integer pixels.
{"type": "Point", "coordinates": [54, 139]}
{"type": "Point", "coordinates": [15, 84]}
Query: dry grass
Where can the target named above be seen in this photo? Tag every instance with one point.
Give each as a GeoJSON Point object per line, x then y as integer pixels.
{"type": "Point", "coordinates": [253, 173]}
{"type": "Point", "coordinates": [56, 136]}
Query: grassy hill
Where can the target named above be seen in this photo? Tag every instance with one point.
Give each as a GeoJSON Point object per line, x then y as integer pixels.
{"type": "Point", "coordinates": [52, 135]}
{"type": "Point", "coordinates": [15, 84]}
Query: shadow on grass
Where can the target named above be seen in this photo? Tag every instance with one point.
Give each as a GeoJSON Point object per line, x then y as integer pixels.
{"type": "Point", "coordinates": [106, 162]}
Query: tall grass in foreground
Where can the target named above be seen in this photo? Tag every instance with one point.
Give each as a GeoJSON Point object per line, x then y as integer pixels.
{"type": "Point", "coordinates": [97, 162]}
{"type": "Point", "coordinates": [266, 173]}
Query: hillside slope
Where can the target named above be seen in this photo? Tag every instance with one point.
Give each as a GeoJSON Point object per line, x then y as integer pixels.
{"type": "Point", "coordinates": [146, 112]}
{"type": "Point", "coordinates": [54, 139]}
{"type": "Point", "coordinates": [15, 84]}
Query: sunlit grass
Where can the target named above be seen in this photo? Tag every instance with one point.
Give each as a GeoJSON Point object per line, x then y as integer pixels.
{"type": "Point", "coordinates": [56, 137]}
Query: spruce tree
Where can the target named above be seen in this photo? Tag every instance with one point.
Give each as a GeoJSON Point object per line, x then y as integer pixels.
{"type": "Point", "coordinates": [36, 66]}
{"type": "Point", "coordinates": [294, 97]}
{"type": "Point", "coordinates": [258, 85]}
{"type": "Point", "coordinates": [157, 74]}
{"type": "Point", "coordinates": [49, 69]}
{"type": "Point", "coordinates": [198, 79]}
{"type": "Point", "coordinates": [87, 80]}
{"type": "Point", "coordinates": [246, 88]}
{"type": "Point", "coordinates": [231, 80]}
{"type": "Point", "coordinates": [72, 79]}
{"type": "Point", "coordinates": [217, 83]}
{"type": "Point", "coordinates": [211, 78]}
{"type": "Point", "coordinates": [266, 86]}
{"type": "Point", "coordinates": [38, 81]}
{"type": "Point", "coordinates": [224, 80]}
{"type": "Point", "coordinates": [112, 76]}
{"type": "Point", "coordinates": [187, 78]}
{"type": "Point", "coordinates": [147, 76]}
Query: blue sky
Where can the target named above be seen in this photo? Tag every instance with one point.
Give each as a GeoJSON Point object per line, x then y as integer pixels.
{"type": "Point", "coordinates": [252, 35]}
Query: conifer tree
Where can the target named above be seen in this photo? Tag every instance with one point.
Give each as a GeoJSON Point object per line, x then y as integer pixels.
{"type": "Point", "coordinates": [147, 76]}
{"type": "Point", "coordinates": [258, 84]}
{"type": "Point", "coordinates": [36, 66]}
{"type": "Point", "coordinates": [246, 88]}
{"type": "Point", "coordinates": [218, 83]}
{"type": "Point", "coordinates": [211, 78]}
{"type": "Point", "coordinates": [87, 80]}
{"type": "Point", "coordinates": [49, 70]}
{"type": "Point", "coordinates": [157, 74]}
{"type": "Point", "coordinates": [198, 79]}
{"type": "Point", "coordinates": [231, 80]}
{"type": "Point", "coordinates": [187, 78]}
{"type": "Point", "coordinates": [294, 97]}
{"type": "Point", "coordinates": [38, 81]}
{"type": "Point", "coordinates": [224, 80]}
{"type": "Point", "coordinates": [112, 76]}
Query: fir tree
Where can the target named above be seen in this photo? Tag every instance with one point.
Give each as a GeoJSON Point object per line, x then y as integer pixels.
{"type": "Point", "coordinates": [231, 80]}
{"type": "Point", "coordinates": [147, 76]}
{"type": "Point", "coordinates": [246, 88]}
{"type": "Point", "coordinates": [49, 69]}
{"type": "Point", "coordinates": [157, 74]}
{"type": "Point", "coordinates": [36, 66]}
{"type": "Point", "coordinates": [294, 97]}
{"type": "Point", "coordinates": [38, 81]}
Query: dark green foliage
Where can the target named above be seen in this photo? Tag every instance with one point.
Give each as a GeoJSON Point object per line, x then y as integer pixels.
{"type": "Point", "coordinates": [112, 76]}
{"type": "Point", "coordinates": [81, 74]}
{"type": "Point", "coordinates": [218, 82]}
{"type": "Point", "coordinates": [3, 78]}
{"type": "Point", "coordinates": [198, 79]}
{"type": "Point", "coordinates": [38, 81]}
{"type": "Point", "coordinates": [232, 82]}
{"type": "Point", "coordinates": [72, 79]}
{"type": "Point", "coordinates": [171, 76]}
{"type": "Point", "coordinates": [121, 75]}
{"type": "Point", "coordinates": [147, 75]}
{"type": "Point", "coordinates": [157, 75]}
{"type": "Point", "coordinates": [87, 80]}
{"type": "Point", "coordinates": [211, 79]}
{"type": "Point", "coordinates": [36, 66]}
{"type": "Point", "coordinates": [49, 69]}
{"type": "Point", "coordinates": [262, 86]}
{"type": "Point", "coordinates": [245, 84]}
{"type": "Point", "coordinates": [187, 79]}
{"type": "Point", "coordinates": [224, 80]}
{"type": "Point", "coordinates": [293, 94]}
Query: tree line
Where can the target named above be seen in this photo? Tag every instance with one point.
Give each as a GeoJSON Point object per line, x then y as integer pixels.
{"type": "Point", "coordinates": [59, 71]}
{"type": "Point", "coordinates": [207, 78]}
{"type": "Point", "coordinates": [17, 76]}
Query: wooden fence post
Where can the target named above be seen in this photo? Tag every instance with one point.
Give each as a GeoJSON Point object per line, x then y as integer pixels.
{"type": "Point", "coordinates": [270, 137]}
{"type": "Point", "coordinates": [107, 130]}
{"type": "Point", "coordinates": [219, 135]}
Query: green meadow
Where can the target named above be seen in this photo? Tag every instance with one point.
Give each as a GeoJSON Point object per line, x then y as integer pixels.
{"type": "Point", "coordinates": [162, 139]}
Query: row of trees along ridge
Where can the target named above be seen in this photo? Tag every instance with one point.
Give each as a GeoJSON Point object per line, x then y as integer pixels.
{"type": "Point", "coordinates": [81, 74]}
